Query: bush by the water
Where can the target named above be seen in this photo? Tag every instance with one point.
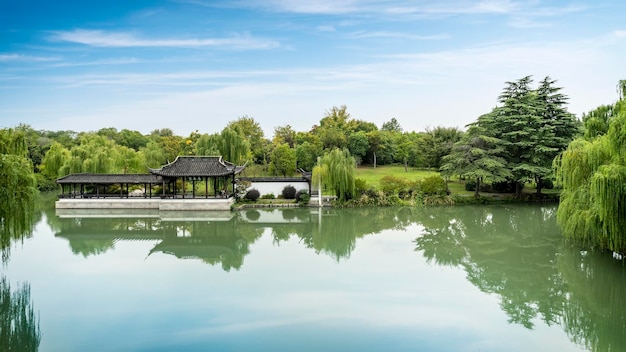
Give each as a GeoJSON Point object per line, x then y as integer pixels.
{"type": "Point", "coordinates": [268, 196]}
{"type": "Point", "coordinates": [289, 192]}
{"type": "Point", "coordinates": [433, 185]}
{"type": "Point", "coordinates": [252, 195]}
{"type": "Point", "coordinates": [302, 196]}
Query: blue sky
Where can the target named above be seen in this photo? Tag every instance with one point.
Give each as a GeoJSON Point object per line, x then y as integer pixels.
{"type": "Point", "coordinates": [197, 64]}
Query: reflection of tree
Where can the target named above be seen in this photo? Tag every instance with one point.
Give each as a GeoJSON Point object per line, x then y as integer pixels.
{"type": "Point", "coordinates": [518, 254]}
{"type": "Point", "coordinates": [339, 229]}
{"type": "Point", "coordinates": [503, 251]}
{"type": "Point", "coordinates": [212, 242]}
{"type": "Point", "coordinates": [19, 326]}
{"type": "Point", "coordinates": [595, 314]}
{"type": "Point", "coordinates": [93, 236]}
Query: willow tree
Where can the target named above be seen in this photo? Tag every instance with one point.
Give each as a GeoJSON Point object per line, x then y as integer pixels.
{"type": "Point", "coordinates": [593, 176]}
{"type": "Point", "coordinates": [54, 160]}
{"type": "Point", "coordinates": [18, 189]}
{"type": "Point", "coordinates": [233, 146]}
{"type": "Point", "coordinates": [337, 171]}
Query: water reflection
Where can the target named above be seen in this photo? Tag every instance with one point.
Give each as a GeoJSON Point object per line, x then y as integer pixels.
{"type": "Point", "coordinates": [19, 325]}
{"type": "Point", "coordinates": [225, 239]}
{"type": "Point", "coordinates": [521, 257]}
{"type": "Point", "coordinates": [514, 252]}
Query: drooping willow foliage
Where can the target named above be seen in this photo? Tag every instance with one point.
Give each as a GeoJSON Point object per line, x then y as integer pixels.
{"type": "Point", "coordinates": [18, 190]}
{"type": "Point", "coordinates": [337, 170]}
{"type": "Point", "coordinates": [593, 176]}
{"type": "Point", "coordinates": [19, 325]}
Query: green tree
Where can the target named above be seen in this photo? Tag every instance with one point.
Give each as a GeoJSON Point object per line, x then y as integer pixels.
{"type": "Point", "coordinates": [208, 144]}
{"type": "Point", "coordinates": [596, 122]}
{"type": "Point", "coordinates": [403, 149]}
{"type": "Point", "coordinates": [392, 126]}
{"type": "Point", "coordinates": [557, 128]}
{"type": "Point", "coordinates": [153, 154]}
{"type": "Point", "coordinates": [283, 160]}
{"type": "Point", "coordinates": [234, 147]}
{"type": "Point", "coordinates": [436, 143]}
{"type": "Point", "coordinates": [306, 155]}
{"type": "Point", "coordinates": [534, 127]}
{"type": "Point", "coordinates": [285, 134]}
{"type": "Point", "coordinates": [477, 156]}
{"type": "Point", "coordinates": [128, 161]}
{"type": "Point", "coordinates": [253, 133]}
{"type": "Point", "coordinates": [131, 139]}
{"type": "Point", "coordinates": [18, 188]}
{"type": "Point", "coordinates": [54, 160]}
{"type": "Point", "coordinates": [337, 172]}
{"type": "Point", "coordinates": [358, 145]}
{"type": "Point", "coordinates": [593, 177]}
{"type": "Point", "coordinates": [94, 154]}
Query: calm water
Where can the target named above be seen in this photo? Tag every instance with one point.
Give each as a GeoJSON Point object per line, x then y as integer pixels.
{"type": "Point", "coordinates": [489, 278]}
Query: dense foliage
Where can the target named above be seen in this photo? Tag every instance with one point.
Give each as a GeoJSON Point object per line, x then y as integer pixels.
{"type": "Point", "coordinates": [592, 172]}
{"type": "Point", "coordinates": [17, 189]}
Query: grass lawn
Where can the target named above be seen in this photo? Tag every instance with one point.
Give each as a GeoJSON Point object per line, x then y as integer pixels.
{"type": "Point", "coordinates": [373, 175]}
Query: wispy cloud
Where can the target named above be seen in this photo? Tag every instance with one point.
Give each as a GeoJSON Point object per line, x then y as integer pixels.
{"type": "Point", "coordinates": [25, 58]}
{"type": "Point", "coordinates": [397, 35]}
{"type": "Point", "coordinates": [98, 38]}
{"type": "Point", "coordinates": [118, 61]}
{"type": "Point", "coordinates": [326, 28]}
{"type": "Point", "coordinates": [619, 34]}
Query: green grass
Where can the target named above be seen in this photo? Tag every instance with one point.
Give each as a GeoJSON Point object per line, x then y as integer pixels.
{"type": "Point", "coordinates": [373, 175]}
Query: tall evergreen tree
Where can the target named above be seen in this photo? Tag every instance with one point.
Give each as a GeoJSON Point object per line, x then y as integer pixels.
{"type": "Point", "coordinates": [477, 156]}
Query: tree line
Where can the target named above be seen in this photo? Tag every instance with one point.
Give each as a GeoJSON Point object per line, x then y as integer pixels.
{"type": "Point", "coordinates": [529, 137]}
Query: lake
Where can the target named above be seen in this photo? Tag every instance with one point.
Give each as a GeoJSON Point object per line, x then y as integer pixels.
{"type": "Point", "coordinates": [466, 278]}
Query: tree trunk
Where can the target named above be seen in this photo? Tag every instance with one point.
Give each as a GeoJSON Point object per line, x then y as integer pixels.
{"type": "Point", "coordinates": [538, 181]}
{"type": "Point", "coordinates": [406, 168]}
{"type": "Point", "coordinates": [476, 194]}
{"type": "Point", "coordinates": [518, 190]}
{"type": "Point", "coordinates": [374, 160]}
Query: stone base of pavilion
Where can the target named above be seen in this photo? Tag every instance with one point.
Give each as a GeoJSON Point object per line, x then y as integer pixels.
{"type": "Point", "coordinates": [187, 204]}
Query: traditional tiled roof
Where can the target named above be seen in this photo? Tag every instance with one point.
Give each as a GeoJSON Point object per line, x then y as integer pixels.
{"type": "Point", "coordinates": [86, 178]}
{"type": "Point", "coordinates": [198, 166]}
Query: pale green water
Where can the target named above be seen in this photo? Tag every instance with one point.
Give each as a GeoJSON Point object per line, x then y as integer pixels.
{"type": "Point", "coordinates": [488, 278]}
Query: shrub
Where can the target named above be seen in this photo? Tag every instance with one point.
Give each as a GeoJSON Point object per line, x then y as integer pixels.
{"type": "Point", "coordinates": [360, 185]}
{"type": "Point", "coordinates": [289, 192]}
{"type": "Point", "coordinates": [432, 185]}
{"type": "Point", "coordinates": [268, 196]}
{"type": "Point", "coordinates": [393, 185]}
{"type": "Point", "coordinates": [302, 196]}
{"type": "Point", "coordinates": [503, 187]}
{"type": "Point", "coordinates": [252, 195]}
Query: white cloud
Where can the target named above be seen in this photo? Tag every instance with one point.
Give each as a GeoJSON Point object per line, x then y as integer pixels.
{"type": "Point", "coordinates": [619, 34]}
{"type": "Point", "coordinates": [326, 28]}
{"type": "Point", "coordinates": [98, 38]}
{"type": "Point", "coordinates": [25, 58]}
{"type": "Point", "coordinates": [397, 35]}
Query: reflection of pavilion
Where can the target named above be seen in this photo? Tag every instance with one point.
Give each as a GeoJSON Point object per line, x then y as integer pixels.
{"type": "Point", "coordinates": [187, 183]}
{"type": "Point", "coordinates": [224, 237]}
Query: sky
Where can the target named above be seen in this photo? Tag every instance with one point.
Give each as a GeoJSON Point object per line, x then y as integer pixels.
{"type": "Point", "coordinates": [195, 65]}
